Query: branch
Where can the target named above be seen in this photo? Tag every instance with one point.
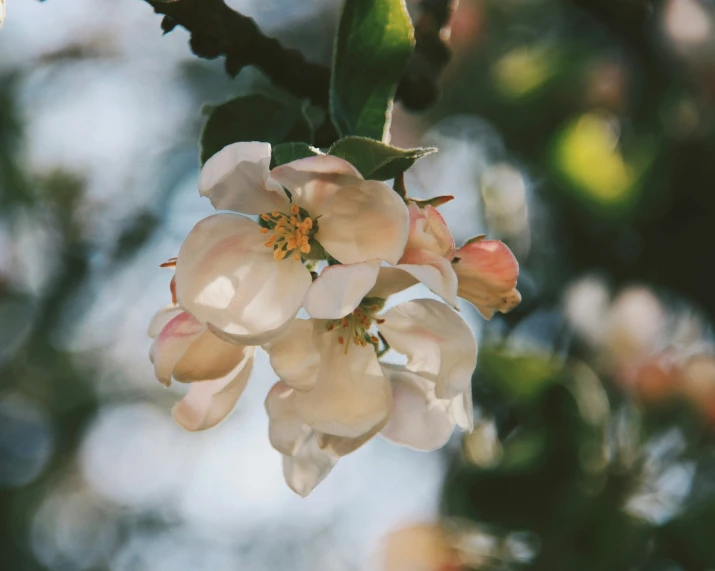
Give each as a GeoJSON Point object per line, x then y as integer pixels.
{"type": "Point", "coordinates": [217, 30]}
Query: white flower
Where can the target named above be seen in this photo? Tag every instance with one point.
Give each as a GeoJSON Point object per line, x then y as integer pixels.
{"type": "Point", "coordinates": [185, 351]}
{"type": "Point", "coordinates": [335, 395]}
{"type": "Point", "coordinates": [246, 280]}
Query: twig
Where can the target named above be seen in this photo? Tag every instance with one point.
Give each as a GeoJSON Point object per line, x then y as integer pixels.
{"type": "Point", "coordinates": [217, 30]}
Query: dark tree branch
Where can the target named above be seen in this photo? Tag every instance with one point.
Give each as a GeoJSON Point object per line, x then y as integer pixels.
{"type": "Point", "coordinates": [216, 30]}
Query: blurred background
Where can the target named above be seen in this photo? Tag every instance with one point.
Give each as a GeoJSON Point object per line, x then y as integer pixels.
{"type": "Point", "coordinates": [580, 132]}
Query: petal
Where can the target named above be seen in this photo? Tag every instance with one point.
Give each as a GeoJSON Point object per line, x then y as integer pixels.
{"type": "Point", "coordinates": [487, 272]}
{"type": "Point", "coordinates": [438, 343]}
{"type": "Point", "coordinates": [161, 318]}
{"type": "Point", "coordinates": [207, 358]}
{"type": "Point", "coordinates": [461, 410]}
{"type": "Point", "coordinates": [342, 446]}
{"type": "Point", "coordinates": [171, 344]}
{"type": "Point", "coordinates": [313, 181]}
{"type": "Point", "coordinates": [391, 281]}
{"type": "Point", "coordinates": [285, 429]}
{"type": "Point", "coordinates": [307, 467]}
{"type": "Point", "coordinates": [236, 178]}
{"type": "Point", "coordinates": [351, 394]}
{"type": "Point", "coordinates": [366, 221]}
{"type": "Point", "coordinates": [340, 289]}
{"type": "Point", "coordinates": [418, 419]}
{"type": "Point", "coordinates": [293, 355]}
{"type": "Point", "coordinates": [429, 231]}
{"type": "Point", "coordinates": [432, 270]}
{"type": "Point", "coordinates": [227, 278]}
{"type": "Point", "coordinates": [208, 403]}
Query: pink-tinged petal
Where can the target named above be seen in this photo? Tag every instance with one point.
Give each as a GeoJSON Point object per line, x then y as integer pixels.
{"type": "Point", "coordinates": [487, 272]}
{"type": "Point", "coordinates": [391, 281]}
{"type": "Point", "coordinates": [340, 289]}
{"type": "Point", "coordinates": [429, 231]}
{"type": "Point", "coordinates": [237, 178]}
{"type": "Point", "coordinates": [207, 358]}
{"type": "Point", "coordinates": [342, 446]}
{"type": "Point", "coordinates": [161, 318]}
{"type": "Point", "coordinates": [418, 419]}
{"type": "Point", "coordinates": [285, 429]}
{"type": "Point", "coordinates": [227, 278]}
{"type": "Point", "coordinates": [208, 403]}
{"type": "Point", "coordinates": [294, 357]}
{"type": "Point", "coordinates": [309, 466]}
{"type": "Point", "coordinates": [438, 343]}
{"type": "Point", "coordinates": [351, 395]}
{"type": "Point", "coordinates": [432, 270]}
{"type": "Point", "coordinates": [366, 221]}
{"type": "Point", "coordinates": [313, 181]}
{"type": "Point", "coordinates": [171, 344]}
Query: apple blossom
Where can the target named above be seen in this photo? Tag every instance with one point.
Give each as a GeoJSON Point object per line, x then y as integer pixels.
{"type": "Point", "coordinates": [186, 351]}
{"type": "Point", "coordinates": [246, 280]}
{"type": "Point", "coordinates": [335, 394]}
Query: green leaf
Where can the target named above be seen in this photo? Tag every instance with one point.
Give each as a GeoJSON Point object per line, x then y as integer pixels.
{"type": "Point", "coordinates": [252, 118]}
{"type": "Point", "coordinates": [372, 49]}
{"type": "Point", "coordinates": [287, 152]}
{"type": "Point", "coordinates": [375, 160]}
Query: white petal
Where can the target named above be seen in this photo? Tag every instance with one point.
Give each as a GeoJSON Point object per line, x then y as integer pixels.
{"type": "Point", "coordinates": [236, 178]}
{"type": "Point", "coordinates": [207, 358]}
{"type": "Point", "coordinates": [293, 355]}
{"type": "Point", "coordinates": [340, 289]}
{"type": "Point", "coordinates": [313, 181]}
{"type": "Point", "coordinates": [461, 410]}
{"type": "Point", "coordinates": [351, 395]}
{"type": "Point", "coordinates": [439, 344]}
{"type": "Point", "coordinates": [366, 221]}
{"type": "Point", "coordinates": [171, 344]}
{"type": "Point", "coordinates": [391, 281]}
{"type": "Point", "coordinates": [432, 270]}
{"type": "Point", "coordinates": [227, 278]}
{"type": "Point", "coordinates": [342, 446]}
{"type": "Point", "coordinates": [161, 318]}
{"type": "Point", "coordinates": [285, 430]}
{"type": "Point", "coordinates": [208, 403]}
{"type": "Point", "coordinates": [418, 419]}
{"type": "Point", "coordinates": [307, 467]}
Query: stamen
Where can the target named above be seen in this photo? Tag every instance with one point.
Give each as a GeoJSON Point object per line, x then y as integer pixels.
{"type": "Point", "coordinates": [289, 232]}
{"type": "Point", "coordinates": [170, 263]}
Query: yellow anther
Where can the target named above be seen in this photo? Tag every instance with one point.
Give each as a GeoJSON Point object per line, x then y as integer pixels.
{"type": "Point", "coordinates": [290, 234]}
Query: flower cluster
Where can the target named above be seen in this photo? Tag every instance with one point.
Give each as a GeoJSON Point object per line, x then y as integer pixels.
{"type": "Point", "coordinates": [313, 236]}
{"type": "Point", "coordinates": [655, 351]}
